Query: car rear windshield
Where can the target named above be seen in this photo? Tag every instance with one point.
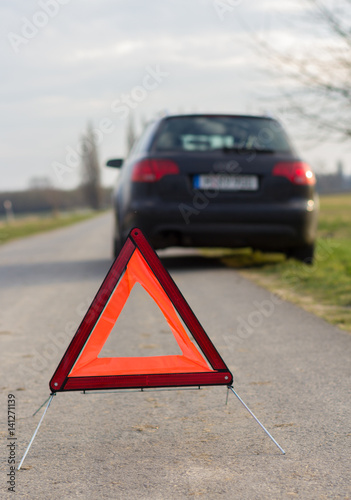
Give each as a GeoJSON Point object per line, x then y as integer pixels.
{"type": "Point", "coordinates": [227, 133]}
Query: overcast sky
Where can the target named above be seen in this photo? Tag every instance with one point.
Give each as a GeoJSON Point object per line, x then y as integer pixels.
{"type": "Point", "coordinates": [67, 62]}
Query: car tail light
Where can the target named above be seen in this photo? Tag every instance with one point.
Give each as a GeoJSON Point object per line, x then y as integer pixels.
{"type": "Point", "coordinates": [297, 172]}
{"type": "Point", "coordinates": [152, 170]}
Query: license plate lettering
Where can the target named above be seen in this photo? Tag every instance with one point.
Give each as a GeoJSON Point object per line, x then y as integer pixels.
{"type": "Point", "coordinates": [227, 182]}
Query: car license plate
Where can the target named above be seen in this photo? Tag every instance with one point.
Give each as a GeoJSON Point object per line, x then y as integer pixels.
{"type": "Point", "coordinates": [226, 182]}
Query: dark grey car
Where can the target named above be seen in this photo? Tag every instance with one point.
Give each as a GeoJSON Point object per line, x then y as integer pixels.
{"type": "Point", "coordinates": [217, 181]}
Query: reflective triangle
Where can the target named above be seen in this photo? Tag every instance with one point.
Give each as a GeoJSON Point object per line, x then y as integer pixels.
{"type": "Point", "coordinates": [81, 368]}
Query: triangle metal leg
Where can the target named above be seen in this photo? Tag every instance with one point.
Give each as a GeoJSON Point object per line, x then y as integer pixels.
{"type": "Point", "coordinates": [36, 430]}
{"type": "Point", "coordinates": [262, 426]}
{"type": "Point", "coordinates": [40, 407]}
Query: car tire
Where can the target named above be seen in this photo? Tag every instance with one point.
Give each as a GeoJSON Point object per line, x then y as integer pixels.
{"type": "Point", "coordinates": [117, 247]}
{"type": "Point", "coordinates": [304, 253]}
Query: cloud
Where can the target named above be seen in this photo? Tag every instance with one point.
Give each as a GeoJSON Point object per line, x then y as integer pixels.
{"type": "Point", "coordinates": [90, 53]}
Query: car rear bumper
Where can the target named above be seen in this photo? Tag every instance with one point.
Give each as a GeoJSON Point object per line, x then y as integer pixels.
{"type": "Point", "coordinates": [265, 226]}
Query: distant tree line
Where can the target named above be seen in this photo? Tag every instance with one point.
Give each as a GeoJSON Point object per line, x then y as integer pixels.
{"type": "Point", "coordinates": [333, 183]}
{"type": "Point", "coordinates": [42, 196]}
{"type": "Point", "coordinates": [49, 199]}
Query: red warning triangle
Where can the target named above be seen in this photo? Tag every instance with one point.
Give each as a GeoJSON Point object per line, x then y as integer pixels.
{"type": "Point", "coordinates": [81, 368]}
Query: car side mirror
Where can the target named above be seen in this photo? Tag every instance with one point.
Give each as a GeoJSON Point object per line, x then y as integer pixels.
{"type": "Point", "coordinates": [116, 163]}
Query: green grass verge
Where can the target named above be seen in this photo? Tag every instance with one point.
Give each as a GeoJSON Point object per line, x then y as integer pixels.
{"type": "Point", "coordinates": [325, 287]}
{"type": "Point", "coordinates": [32, 224]}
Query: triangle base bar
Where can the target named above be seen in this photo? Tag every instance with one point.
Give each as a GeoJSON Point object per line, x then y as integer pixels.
{"type": "Point", "coordinates": [145, 381]}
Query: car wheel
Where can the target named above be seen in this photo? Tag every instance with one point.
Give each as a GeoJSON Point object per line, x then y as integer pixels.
{"type": "Point", "coordinates": [304, 254]}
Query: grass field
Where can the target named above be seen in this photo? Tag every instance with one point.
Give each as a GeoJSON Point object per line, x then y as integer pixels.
{"type": "Point", "coordinates": [31, 224]}
{"type": "Point", "coordinates": [325, 287]}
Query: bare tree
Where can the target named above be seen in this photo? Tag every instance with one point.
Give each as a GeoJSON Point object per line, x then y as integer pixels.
{"type": "Point", "coordinates": [91, 176]}
{"type": "Point", "coordinates": [131, 133]}
{"type": "Point", "coordinates": [317, 77]}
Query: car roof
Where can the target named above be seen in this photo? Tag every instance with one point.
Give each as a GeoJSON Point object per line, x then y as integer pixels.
{"type": "Point", "coordinates": [225, 115]}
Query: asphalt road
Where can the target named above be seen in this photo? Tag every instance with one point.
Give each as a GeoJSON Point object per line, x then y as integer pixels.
{"type": "Point", "coordinates": [291, 368]}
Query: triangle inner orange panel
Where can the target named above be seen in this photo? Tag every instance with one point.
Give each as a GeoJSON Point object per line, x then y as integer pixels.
{"type": "Point", "coordinates": [89, 364]}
